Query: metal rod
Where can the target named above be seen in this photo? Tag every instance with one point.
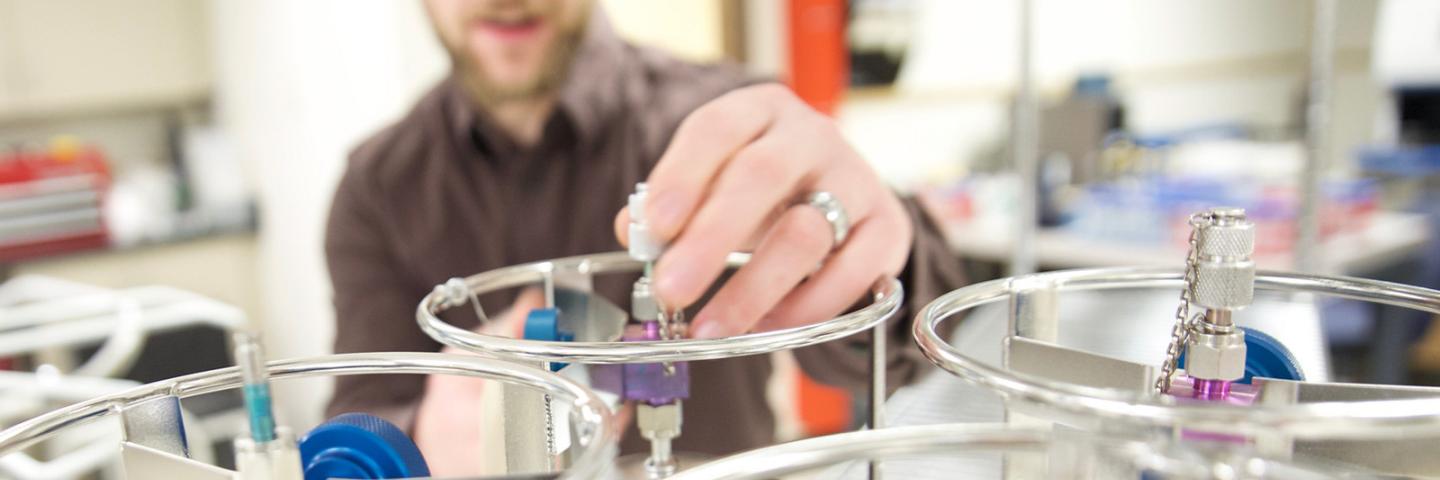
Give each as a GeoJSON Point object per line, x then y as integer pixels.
{"type": "Point", "coordinates": [1308, 248]}
{"type": "Point", "coordinates": [1024, 151]}
{"type": "Point", "coordinates": [877, 386]}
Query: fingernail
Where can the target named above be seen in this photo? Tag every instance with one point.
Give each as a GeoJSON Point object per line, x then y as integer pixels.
{"type": "Point", "coordinates": [665, 210]}
{"type": "Point", "coordinates": [709, 330]}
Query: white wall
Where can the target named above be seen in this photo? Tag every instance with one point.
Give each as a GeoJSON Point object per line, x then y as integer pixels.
{"type": "Point", "coordinates": [689, 29]}
{"type": "Point", "coordinates": [298, 85]}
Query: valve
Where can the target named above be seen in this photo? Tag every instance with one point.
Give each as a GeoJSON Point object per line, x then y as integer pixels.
{"type": "Point", "coordinates": [658, 389]}
{"type": "Point", "coordinates": [1223, 282]}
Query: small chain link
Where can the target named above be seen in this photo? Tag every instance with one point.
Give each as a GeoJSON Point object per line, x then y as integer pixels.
{"type": "Point", "coordinates": [1184, 323]}
{"type": "Point", "coordinates": [669, 322]}
{"type": "Point", "coordinates": [550, 428]}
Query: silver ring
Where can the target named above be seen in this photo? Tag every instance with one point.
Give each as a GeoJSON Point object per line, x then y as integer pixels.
{"type": "Point", "coordinates": [834, 213]}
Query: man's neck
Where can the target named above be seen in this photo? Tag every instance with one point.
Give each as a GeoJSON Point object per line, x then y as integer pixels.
{"type": "Point", "coordinates": [523, 120]}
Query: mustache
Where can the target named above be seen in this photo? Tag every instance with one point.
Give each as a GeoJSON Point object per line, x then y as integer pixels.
{"type": "Point", "coordinates": [505, 11]}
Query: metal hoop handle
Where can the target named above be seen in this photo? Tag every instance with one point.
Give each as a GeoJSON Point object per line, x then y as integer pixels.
{"type": "Point", "coordinates": [807, 454]}
{"type": "Point", "coordinates": [887, 294]}
{"type": "Point", "coordinates": [597, 431]}
{"type": "Point", "coordinates": [909, 441]}
{"type": "Point", "coordinates": [1332, 420]}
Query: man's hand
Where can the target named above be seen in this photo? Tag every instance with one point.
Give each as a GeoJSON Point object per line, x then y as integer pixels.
{"type": "Point", "coordinates": [448, 422]}
{"type": "Point", "coordinates": [736, 175]}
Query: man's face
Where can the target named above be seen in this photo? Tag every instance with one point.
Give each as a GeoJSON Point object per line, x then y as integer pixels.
{"type": "Point", "coordinates": [510, 49]}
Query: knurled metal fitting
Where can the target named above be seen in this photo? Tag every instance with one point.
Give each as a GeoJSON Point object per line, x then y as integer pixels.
{"type": "Point", "coordinates": [1224, 270]}
{"type": "Point", "coordinates": [1224, 284]}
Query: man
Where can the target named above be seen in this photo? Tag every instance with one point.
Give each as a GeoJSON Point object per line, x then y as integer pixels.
{"type": "Point", "coordinates": [528, 151]}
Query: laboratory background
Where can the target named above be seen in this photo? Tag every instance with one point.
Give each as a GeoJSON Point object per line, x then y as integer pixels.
{"type": "Point", "coordinates": [167, 168]}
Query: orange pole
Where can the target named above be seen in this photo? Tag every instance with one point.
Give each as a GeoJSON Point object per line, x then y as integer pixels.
{"type": "Point", "coordinates": [819, 74]}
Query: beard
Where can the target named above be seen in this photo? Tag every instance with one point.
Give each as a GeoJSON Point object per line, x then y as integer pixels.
{"type": "Point", "coordinates": [551, 75]}
{"type": "Point", "coordinates": [555, 60]}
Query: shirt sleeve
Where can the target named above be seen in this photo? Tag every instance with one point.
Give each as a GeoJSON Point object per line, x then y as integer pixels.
{"type": "Point", "coordinates": [933, 270]}
{"type": "Point", "coordinates": [374, 304]}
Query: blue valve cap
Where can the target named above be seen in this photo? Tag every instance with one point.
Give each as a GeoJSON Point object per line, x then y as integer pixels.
{"type": "Point", "coordinates": [543, 324]}
{"type": "Point", "coordinates": [360, 446]}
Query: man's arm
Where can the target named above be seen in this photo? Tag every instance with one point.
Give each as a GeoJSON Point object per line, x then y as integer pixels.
{"type": "Point", "coordinates": [374, 304]}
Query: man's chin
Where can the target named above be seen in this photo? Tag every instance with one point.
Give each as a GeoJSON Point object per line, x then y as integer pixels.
{"type": "Point", "coordinates": [491, 92]}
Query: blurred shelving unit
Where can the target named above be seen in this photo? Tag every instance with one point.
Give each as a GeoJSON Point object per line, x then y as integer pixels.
{"type": "Point", "coordinates": [134, 78]}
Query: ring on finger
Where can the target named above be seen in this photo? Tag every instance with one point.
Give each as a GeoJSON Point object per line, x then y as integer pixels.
{"type": "Point", "coordinates": [834, 214]}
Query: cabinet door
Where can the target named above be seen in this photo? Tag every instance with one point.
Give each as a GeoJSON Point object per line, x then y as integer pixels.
{"type": "Point", "coordinates": [79, 54]}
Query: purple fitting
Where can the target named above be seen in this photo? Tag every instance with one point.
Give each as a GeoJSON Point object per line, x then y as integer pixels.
{"type": "Point", "coordinates": [649, 382]}
{"type": "Point", "coordinates": [1195, 391]}
{"type": "Point", "coordinates": [1217, 390]}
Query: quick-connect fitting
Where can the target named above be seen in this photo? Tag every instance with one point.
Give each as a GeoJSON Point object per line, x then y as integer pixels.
{"type": "Point", "coordinates": [643, 244]}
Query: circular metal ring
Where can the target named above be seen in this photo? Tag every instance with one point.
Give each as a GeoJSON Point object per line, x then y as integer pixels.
{"type": "Point", "coordinates": [834, 213]}
{"type": "Point", "coordinates": [1320, 420]}
{"type": "Point", "coordinates": [597, 432]}
{"type": "Point", "coordinates": [802, 455]}
{"type": "Point", "coordinates": [808, 454]}
{"type": "Point", "coordinates": [887, 294]}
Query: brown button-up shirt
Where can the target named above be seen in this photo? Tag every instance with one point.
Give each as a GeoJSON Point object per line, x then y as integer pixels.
{"type": "Point", "coordinates": [444, 193]}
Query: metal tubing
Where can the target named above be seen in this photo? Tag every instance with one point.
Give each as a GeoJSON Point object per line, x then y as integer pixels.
{"type": "Point", "coordinates": [802, 455]}
{"type": "Point", "coordinates": [596, 430]}
{"type": "Point", "coordinates": [1024, 148]}
{"type": "Point", "coordinates": [887, 301]}
{"type": "Point", "coordinates": [1308, 247]}
{"type": "Point", "coordinates": [1163, 461]}
{"type": "Point", "coordinates": [877, 386]}
{"type": "Point", "coordinates": [1331, 420]}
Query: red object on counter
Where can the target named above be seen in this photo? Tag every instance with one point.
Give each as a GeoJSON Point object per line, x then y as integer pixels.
{"type": "Point", "coordinates": [51, 201]}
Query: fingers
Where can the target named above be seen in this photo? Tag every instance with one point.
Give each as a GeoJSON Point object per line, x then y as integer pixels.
{"type": "Point", "coordinates": [874, 250]}
{"type": "Point", "coordinates": [789, 252]}
{"type": "Point", "coordinates": [622, 226]}
{"type": "Point", "coordinates": [705, 141]}
{"type": "Point", "coordinates": [760, 178]}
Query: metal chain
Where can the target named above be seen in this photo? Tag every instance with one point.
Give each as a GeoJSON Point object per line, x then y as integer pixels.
{"type": "Point", "coordinates": [669, 322]}
{"type": "Point", "coordinates": [1184, 323]}
{"type": "Point", "coordinates": [550, 429]}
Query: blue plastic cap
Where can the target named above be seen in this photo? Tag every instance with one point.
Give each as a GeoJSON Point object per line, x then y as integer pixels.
{"type": "Point", "coordinates": [544, 324]}
{"type": "Point", "coordinates": [1266, 357]}
{"type": "Point", "coordinates": [360, 446]}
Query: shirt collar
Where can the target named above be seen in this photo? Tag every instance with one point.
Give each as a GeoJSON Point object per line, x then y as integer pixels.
{"type": "Point", "coordinates": [587, 99]}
